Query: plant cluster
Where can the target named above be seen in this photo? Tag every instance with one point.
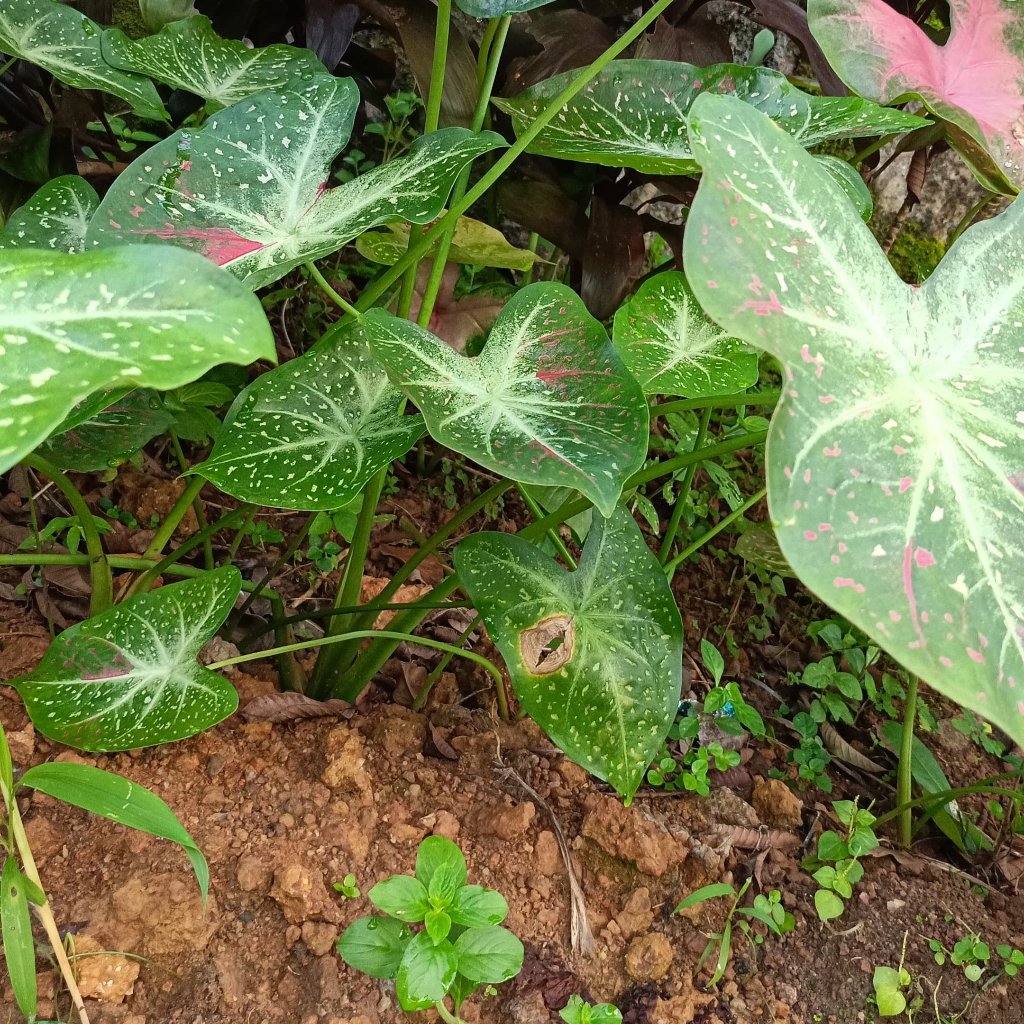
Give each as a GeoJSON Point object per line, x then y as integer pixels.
{"type": "Point", "coordinates": [836, 867]}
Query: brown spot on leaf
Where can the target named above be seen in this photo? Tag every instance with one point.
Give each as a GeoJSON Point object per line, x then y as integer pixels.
{"type": "Point", "coordinates": [548, 646]}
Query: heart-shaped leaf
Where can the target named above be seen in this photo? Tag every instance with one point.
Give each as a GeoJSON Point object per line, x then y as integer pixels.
{"type": "Point", "coordinates": [247, 190]}
{"type": "Point", "coordinates": [497, 8]}
{"type": "Point", "coordinates": [189, 55]}
{"type": "Point", "coordinates": [973, 81]}
{"type": "Point", "coordinates": [112, 435]}
{"type": "Point", "coordinates": [311, 433]}
{"type": "Point", "coordinates": [634, 113]}
{"type": "Point", "coordinates": [670, 346]}
{"type": "Point", "coordinates": [69, 45]}
{"type": "Point", "coordinates": [595, 655]}
{"type": "Point", "coordinates": [72, 325]}
{"type": "Point", "coordinates": [56, 217]}
{"type": "Point", "coordinates": [895, 456]}
{"type": "Point", "coordinates": [548, 401]}
{"type": "Point", "coordinates": [129, 677]}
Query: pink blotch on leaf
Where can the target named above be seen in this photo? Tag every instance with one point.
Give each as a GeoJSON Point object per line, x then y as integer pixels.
{"type": "Point", "coordinates": [221, 245]}
{"type": "Point", "coordinates": [946, 662]}
{"type": "Point", "coordinates": [810, 535]}
{"type": "Point", "coordinates": [923, 558]}
{"type": "Point", "coordinates": [905, 484]}
{"type": "Point", "coordinates": [975, 655]}
{"type": "Point", "coordinates": [833, 452]}
{"type": "Point", "coordinates": [846, 581]}
{"type": "Point", "coordinates": [764, 307]}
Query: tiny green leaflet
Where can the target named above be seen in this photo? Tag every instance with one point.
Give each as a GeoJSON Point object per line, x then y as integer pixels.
{"type": "Point", "coordinates": [16, 932]}
{"type": "Point", "coordinates": [129, 677]}
{"type": "Point", "coordinates": [895, 474]}
{"type": "Point", "coordinates": [311, 433]}
{"type": "Point", "coordinates": [56, 217]}
{"type": "Point", "coordinates": [547, 401]}
{"type": "Point", "coordinates": [595, 655]}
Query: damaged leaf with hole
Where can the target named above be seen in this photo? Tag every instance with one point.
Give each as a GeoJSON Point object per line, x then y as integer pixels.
{"type": "Point", "coordinates": [595, 655]}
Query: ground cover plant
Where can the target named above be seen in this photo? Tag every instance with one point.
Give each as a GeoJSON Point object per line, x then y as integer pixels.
{"type": "Point", "coordinates": [641, 389]}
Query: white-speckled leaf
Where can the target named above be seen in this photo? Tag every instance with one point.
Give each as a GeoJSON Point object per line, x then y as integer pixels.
{"type": "Point", "coordinates": [608, 693]}
{"type": "Point", "coordinates": [670, 346]}
{"type": "Point", "coordinates": [69, 45]}
{"type": "Point", "coordinates": [496, 8]}
{"type": "Point", "coordinates": [189, 55]}
{"type": "Point", "coordinates": [634, 113]}
{"type": "Point", "coordinates": [848, 178]}
{"type": "Point", "coordinates": [129, 677]}
{"type": "Point", "coordinates": [896, 456]}
{"type": "Point", "coordinates": [311, 433]}
{"type": "Point", "coordinates": [136, 316]}
{"type": "Point", "coordinates": [56, 217]}
{"type": "Point", "coordinates": [547, 401]}
{"type": "Point", "coordinates": [248, 189]}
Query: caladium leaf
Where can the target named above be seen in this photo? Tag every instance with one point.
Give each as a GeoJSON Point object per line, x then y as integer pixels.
{"type": "Point", "coordinates": [129, 677]}
{"type": "Point", "coordinates": [73, 325]}
{"type": "Point", "coordinates": [247, 190]}
{"type": "Point", "coordinates": [595, 655]}
{"type": "Point", "coordinates": [56, 217]}
{"type": "Point", "coordinates": [112, 435]}
{"type": "Point", "coordinates": [975, 81]}
{"type": "Point", "coordinates": [547, 401]}
{"type": "Point", "coordinates": [311, 433]}
{"type": "Point", "coordinates": [189, 55]}
{"type": "Point", "coordinates": [634, 113]}
{"type": "Point", "coordinates": [670, 346]}
{"type": "Point", "coordinates": [69, 45]}
{"type": "Point", "coordinates": [894, 458]}
{"type": "Point", "coordinates": [497, 8]}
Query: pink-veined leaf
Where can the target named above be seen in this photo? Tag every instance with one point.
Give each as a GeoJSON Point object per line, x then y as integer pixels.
{"type": "Point", "coordinates": [975, 81]}
{"type": "Point", "coordinates": [896, 456]}
{"type": "Point", "coordinates": [547, 401]}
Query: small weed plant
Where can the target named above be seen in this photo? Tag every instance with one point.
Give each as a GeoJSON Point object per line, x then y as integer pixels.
{"type": "Point", "coordinates": [836, 866]}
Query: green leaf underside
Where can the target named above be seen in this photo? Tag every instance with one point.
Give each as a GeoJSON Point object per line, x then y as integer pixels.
{"type": "Point", "coordinates": [608, 695]}
{"type": "Point", "coordinates": [69, 46]}
{"type": "Point", "coordinates": [112, 435]}
{"type": "Point", "coordinates": [311, 433]}
{"type": "Point", "coordinates": [634, 113]}
{"type": "Point", "coordinates": [849, 180]}
{"type": "Point", "coordinates": [548, 401]}
{"type": "Point", "coordinates": [189, 55]}
{"type": "Point", "coordinates": [56, 217]}
{"type": "Point", "coordinates": [894, 459]}
{"type": "Point", "coordinates": [16, 932]}
{"type": "Point", "coordinates": [74, 325]}
{"type": "Point", "coordinates": [129, 677]}
{"type": "Point", "coordinates": [671, 347]}
{"type": "Point", "coordinates": [426, 972]}
{"type": "Point", "coordinates": [974, 80]}
{"type": "Point", "coordinates": [497, 8]}
{"type": "Point", "coordinates": [374, 945]}
{"type": "Point", "coordinates": [118, 799]}
{"type": "Point", "coordinates": [247, 190]}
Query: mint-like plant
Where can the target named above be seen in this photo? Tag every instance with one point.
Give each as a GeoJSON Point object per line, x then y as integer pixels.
{"type": "Point", "coordinates": [461, 945]}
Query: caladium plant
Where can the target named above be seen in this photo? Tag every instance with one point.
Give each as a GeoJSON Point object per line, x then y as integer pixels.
{"type": "Point", "coordinates": [56, 217]}
{"type": "Point", "coordinates": [894, 470]}
{"type": "Point", "coordinates": [973, 80]}
{"type": "Point", "coordinates": [499, 8]}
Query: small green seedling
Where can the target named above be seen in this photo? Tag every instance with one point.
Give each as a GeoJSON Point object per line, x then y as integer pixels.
{"type": "Point", "coordinates": [348, 888]}
{"type": "Point", "coordinates": [460, 947]}
{"type": "Point", "coordinates": [767, 908]}
{"type": "Point", "coordinates": [837, 868]}
{"type": "Point", "coordinates": [974, 955]}
{"type": "Point", "coordinates": [577, 1011]}
{"type": "Point", "coordinates": [889, 984]}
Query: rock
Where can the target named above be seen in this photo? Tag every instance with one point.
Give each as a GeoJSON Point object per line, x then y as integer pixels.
{"type": "Point", "coordinates": [447, 825]}
{"type": "Point", "coordinates": [319, 937]}
{"type": "Point", "coordinates": [109, 976]}
{"type": "Point", "coordinates": [951, 739]}
{"type": "Point", "coordinates": [509, 822]}
{"type": "Point", "coordinates": [302, 895]}
{"type": "Point", "coordinates": [161, 913]}
{"type": "Point", "coordinates": [728, 808]}
{"type": "Point", "coordinates": [234, 986]}
{"type": "Point", "coordinates": [637, 915]}
{"type": "Point", "coordinates": [346, 772]}
{"type": "Point", "coordinates": [625, 833]}
{"type": "Point", "coordinates": [253, 873]}
{"type": "Point", "coordinates": [547, 856]}
{"type": "Point", "coordinates": [649, 958]}
{"type": "Point", "coordinates": [777, 805]}
{"type": "Point", "coordinates": [398, 730]}
{"type": "Point", "coordinates": [44, 838]}
{"type": "Point", "coordinates": [680, 1009]}
{"type": "Point", "coordinates": [22, 745]}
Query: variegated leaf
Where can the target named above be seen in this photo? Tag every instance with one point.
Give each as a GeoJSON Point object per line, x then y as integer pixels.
{"type": "Point", "coordinates": [633, 114]}
{"type": "Point", "coordinates": [311, 433]}
{"type": "Point", "coordinates": [247, 190]}
{"type": "Point", "coordinates": [547, 401]}
{"type": "Point", "coordinates": [975, 81]}
{"type": "Point", "coordinates": [496, 8]}
{"type": "Point", "coordinates": [595, 655]}
{"type": "Point", "coordinates": [56, 217]}
{"type": "Point", "coordinates": [189, 55]}
{"type": "Point", "coordinates": [896, 456]}
{"type": "Point", "coordinates": [670, 346]}
{"type": "Point", "coordinates": [69, 45]}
